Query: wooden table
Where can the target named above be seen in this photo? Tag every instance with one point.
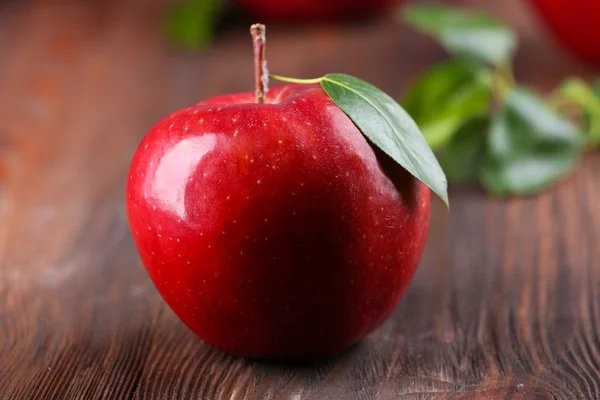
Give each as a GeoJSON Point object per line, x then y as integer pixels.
{"type": "Point", "coordinates": [506, 303]}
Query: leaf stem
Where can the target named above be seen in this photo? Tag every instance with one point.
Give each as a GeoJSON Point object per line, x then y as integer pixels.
{"type": "Point", "coordinates": [296, 80]}
{"type": "Point", "coordinates": [258, 32]}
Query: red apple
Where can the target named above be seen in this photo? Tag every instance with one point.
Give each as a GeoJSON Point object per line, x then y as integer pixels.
{"type": "Point", "coordinates": [302, 10]}
{"type": "Point", "coordinates": [273, 229]}
{"type": "Point", "coordinates": [575, 23]}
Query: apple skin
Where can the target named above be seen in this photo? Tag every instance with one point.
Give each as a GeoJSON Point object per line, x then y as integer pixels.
{"type": "Point", "coordinates": [575, 24]}
{"type": "Point", "coordinates": [313, 10]}
{"type": "Point", "coordinates": [274, 230]}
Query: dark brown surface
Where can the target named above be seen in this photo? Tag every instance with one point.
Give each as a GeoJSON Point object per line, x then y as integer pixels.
{"type": "Point", "coordinates": [506, 303]}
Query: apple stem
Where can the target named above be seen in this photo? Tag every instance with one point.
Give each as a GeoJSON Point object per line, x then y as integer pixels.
{"type": "Point", "coordinates": [258, 32]}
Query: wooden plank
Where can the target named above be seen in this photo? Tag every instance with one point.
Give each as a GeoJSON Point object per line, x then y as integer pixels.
{"type": "Point", "coordinates": [505, 303]}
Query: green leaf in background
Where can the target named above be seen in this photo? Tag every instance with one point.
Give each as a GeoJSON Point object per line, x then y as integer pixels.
{"type": "Point", "coordinates": [445, 97]}
{"type": "Point", "coordinates": [596, 87]}
{"type": "Point", "coordinates": [464, 33]}
{"type": "Point", "coordinates": [594, 118]}
{"type": "Point", "coordinates": [529, 146]}
{"type": "Point", "coordinates": [576, 91]}
{"type": "Point", "coordinates": [388, 126]}
{"type": "Point", "coordinates": [463, 155]}
{"type": "Point", "coordinates": [191, 23]}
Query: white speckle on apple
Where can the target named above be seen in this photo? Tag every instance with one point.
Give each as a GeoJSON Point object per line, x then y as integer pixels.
{"type": "Point", "coordinates": [309, 124]}
{"type": "Point", "coordinates": [293, 193]}
{"type": "Point", "coordinates": [223, 232]}
{"type": "Point", "coordinates": [235, 133]}
{"type": "Point", "coordinates": [228, 197]}
{"type": "Point", "coordinates": [280, 141]}
{"type": "Point", "coordinates": [209, 246]}
{"type": "Point", "coordinates": [314, 157]}
{"type": "Point", "coordinates": [154, 207]}
{"type": "Point", "coordinates": [188, 261]}
{"type": "Point", "coordinates": [204, 175]}
{"type": "Point", "coordinates": [258, 182]}
{"type": "Point", "coordinates": [149, 228]}
{"type": "Point", "coordinates": [264, 124]}
{"type": "Point", "coordinates": [171, 238]}
{"type": "Point", "coordinates": [179, 220]}
{"type": "Point", "coordinates": [136, 233]}
{"type": "Point", "coordinates": [152, 253]}
{"type": "Point", "coordinates": [266, 220]}
{"type": "Point", "coordinates": [252, 160]}
{"type": "Point", "coordinates": [301, 184]}
{"type": "Point", "coordinates": [246, 156]}
{"type": "Point", "coordinates": [146, 146]}
{"type": "Point", "coordinates": [201, 234]}
{"type": "Point", "coordinates": [266, 239]}
{"type": "Point", "coordinates": [204, 280]}
{"type": "Point", "coordinates": [171, 126]}
{"type": "Point", "coordinates": [235, 119]}
{"type": "Point", "coordinates": [178, 240]}
{"type": "Point", "coordinates": [234, 221]}
{"type": "Point", "coordinates": [293, 212]}
{"type": "Point", "coordinates": [284, 118]}
{"type": "Point", "coordinates": [241, 252]}
{"type": "Point", "coordinates": [201, 120]}
{"type": "Point", "coordinates": [179, 255]}
{"type": "Point", "coordinates": [142, 174]}
{"type": "Point", "coordinates": [159, 235]}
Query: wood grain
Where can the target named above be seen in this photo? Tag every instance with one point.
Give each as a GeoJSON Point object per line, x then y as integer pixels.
{"type": "Point", "coordinates": [505, 304]}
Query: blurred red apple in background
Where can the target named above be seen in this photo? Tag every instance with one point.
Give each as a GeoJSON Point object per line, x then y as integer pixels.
{"type": "Point", "coordinates": [575, 24]}
{"type": "Point", "coordinates": [303, 10]}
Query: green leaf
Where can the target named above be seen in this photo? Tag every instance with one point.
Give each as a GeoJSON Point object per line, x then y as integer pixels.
{"type": "Point", "coordinates": [464, 33]}
{"type": "Point", "coordinates": [387, 126]}
{"type": "Point", "coordinates": [577, 92]}
{"type": "Point", "coordinates": [592, 115]}
{"type": "Point", "coordinates": [463, 156]}
{"type": "Point", "coordinates": [529, 146]}
{"type": "Point", "coordinates": [191, 23]}
{"type": "Point", "coordinates": [596, 87]}
{"type": "Point", "coordinates": [447, 96]}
